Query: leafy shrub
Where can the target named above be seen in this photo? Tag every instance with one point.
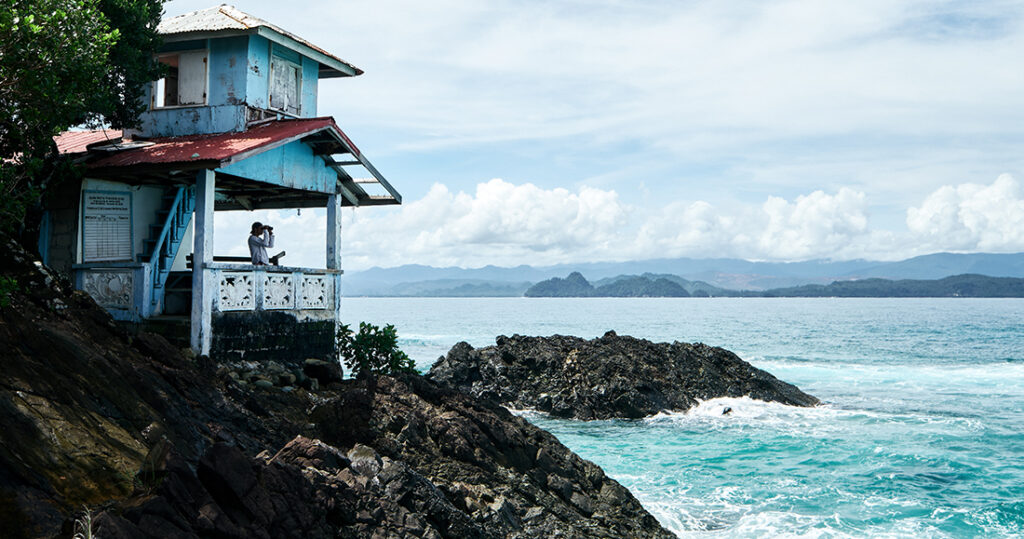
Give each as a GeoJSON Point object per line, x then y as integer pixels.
{"type": "Point", "coordinates": [8, 285]}
{"type": "Point", "coordinates": [372, 351]}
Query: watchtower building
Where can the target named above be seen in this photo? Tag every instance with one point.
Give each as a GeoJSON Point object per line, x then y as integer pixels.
{"type": "Point", "coordinates": [232, 127]}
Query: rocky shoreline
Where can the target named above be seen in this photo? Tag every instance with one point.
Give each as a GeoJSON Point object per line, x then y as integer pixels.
{"type": "Point", "coordinates": [155, 443]}
{"type": "Point", "coordinates": [152, 442]}
{"type": "Point", "coordinates": [609, 377]}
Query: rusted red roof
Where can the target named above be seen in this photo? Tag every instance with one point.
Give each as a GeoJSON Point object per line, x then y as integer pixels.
{"type": "Point", "coordinates": [219, 148]}
{"type": "Point", "coordinates": [70, 142]}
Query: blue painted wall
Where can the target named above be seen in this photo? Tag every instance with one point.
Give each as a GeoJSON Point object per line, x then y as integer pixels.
{"type": "Point", "coordinates": [258, 72]}
{"type": "Point", "coordinates": [227, 73]}
{"type": "Point", "coordinates": [310, 77]}
{"type": "Point", "coordinates": [238, 72]}
{"type": "Point", "coordinates": [291, 165]}
{"type": "Point", "coordinates": [181, 121]}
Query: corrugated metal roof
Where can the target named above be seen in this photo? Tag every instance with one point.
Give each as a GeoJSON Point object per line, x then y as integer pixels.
{"type": "Point", "coordinates": [70, 142]}
{"type": "Point", "coordinates": [227, 18]}
{"type": "Point", "coordinates": [165, 155]}
{"type": "Point", "coordinates": [220, 147]}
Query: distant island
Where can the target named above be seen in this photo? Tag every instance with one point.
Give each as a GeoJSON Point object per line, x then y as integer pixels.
{"type": "Point", "coordinates": [648, 285]}
{"type": "Point", "coordinates": [698, 277]}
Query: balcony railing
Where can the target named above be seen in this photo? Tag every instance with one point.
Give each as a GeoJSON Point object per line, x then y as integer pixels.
{"type": "Point", "coordinates": [242, 287]}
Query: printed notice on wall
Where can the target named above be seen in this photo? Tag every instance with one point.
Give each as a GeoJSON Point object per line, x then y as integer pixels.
{"type": "Point", "coordinates": [106, 226]}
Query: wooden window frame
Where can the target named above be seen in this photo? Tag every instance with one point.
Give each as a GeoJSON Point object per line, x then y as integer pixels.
{"type": "Point", "coordinates": [206, 80]}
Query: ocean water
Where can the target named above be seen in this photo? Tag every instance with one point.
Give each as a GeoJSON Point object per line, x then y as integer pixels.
{"type": "Point", "coordinates": [921, 434]}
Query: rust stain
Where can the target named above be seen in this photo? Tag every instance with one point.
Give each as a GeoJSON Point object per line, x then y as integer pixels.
{"type": "Point", "coordinates": [219, 146]}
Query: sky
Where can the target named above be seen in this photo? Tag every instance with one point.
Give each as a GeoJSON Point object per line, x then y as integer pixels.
{"type": "Point", "coordinates": [561, 131]}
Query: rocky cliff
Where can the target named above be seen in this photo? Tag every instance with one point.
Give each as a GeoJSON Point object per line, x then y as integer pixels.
{"type": "Point", "coordinates": [608, 377]}
{"type": "Point", "coordinates": [154, 443]}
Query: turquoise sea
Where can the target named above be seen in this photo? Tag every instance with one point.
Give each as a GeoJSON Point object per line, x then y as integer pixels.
{"type": "Point", "coordinates": [922, 433]}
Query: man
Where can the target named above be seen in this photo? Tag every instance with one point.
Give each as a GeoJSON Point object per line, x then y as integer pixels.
{"type": "Point", "coordinates": [258, 245]}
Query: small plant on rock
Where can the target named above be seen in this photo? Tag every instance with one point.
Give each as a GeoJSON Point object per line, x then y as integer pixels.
{"type": "Point", "coordinates": [8, 285]}
{"type": "Point", "coordinates": [372, 351]}
{"type": "Point", "coordinates": [83, 525]}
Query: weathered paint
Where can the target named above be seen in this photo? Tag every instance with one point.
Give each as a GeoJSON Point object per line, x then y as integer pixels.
{"type": "Point", "coordinates": [203, 286]}
{"type": "Point", "coordinates": [237, 86]}
{"type": "Point", "coordinates": [228, 58]}
{"type": "Point", "coordinates": [181, 259]}
{"type": "Point", "coordinates": [309, 87]}
{"type": "Point", "coordinates": [238, 74]}
{"type": "Point", "coordinates": [140, 291]}
{"type": "Point", "coordinates": [258, 73]}
{"type": "Point", "coordinates": [226, 20]}
{"type": "Point", "coordinates": [196, 151]}
{"type": "Point", "coordinates": [183, 121]}
{"type": "Point", "coordinates": [292, 165]}
{"type": "Point", "coordinates": [334, 232]}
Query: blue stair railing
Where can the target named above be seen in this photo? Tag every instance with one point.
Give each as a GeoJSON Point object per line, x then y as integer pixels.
{"type": "Point", "coordinates": [165, 240]}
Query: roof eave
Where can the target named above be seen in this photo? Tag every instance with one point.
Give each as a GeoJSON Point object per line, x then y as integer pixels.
{"type": "Point", "coordinates": [205, 34]}
{"type": "Point", "coordinates": [330, 66]}
{"type": "Point", "coordinates": [343, 139]}
{"type": "Point", "coordinates": [119, 171]}
{"type": "Point", "coordinates": [343, 68]}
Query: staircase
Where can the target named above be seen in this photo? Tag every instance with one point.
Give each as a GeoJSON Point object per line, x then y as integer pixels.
{"type": "Point", "coordinates": [160, 248]}
{"type": "Point", "coordinates": [178, 294]}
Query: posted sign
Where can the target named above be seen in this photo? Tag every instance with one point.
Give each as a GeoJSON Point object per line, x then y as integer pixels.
{"type": "Point", "coordinates": [106, 226]}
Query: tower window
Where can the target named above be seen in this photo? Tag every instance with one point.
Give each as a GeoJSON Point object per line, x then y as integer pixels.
{"type": "Point", "coordinates": [285, 81]}
{"type": "Point", "coordinates": [185, 83]}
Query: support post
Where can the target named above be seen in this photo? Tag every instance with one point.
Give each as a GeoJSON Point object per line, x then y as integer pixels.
{"type": "Point", "coordinates": [334, 253]}
{"type": "Point", "coordinates": [202, 256]}
{"type": "Point", "coordinates": [334, 231]}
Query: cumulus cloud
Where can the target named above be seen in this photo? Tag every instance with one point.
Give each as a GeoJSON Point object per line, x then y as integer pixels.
{"type": "Point", "coordinates": [508, 224]}
{"type": "Point", "coordinates": [500, 223]}
{"type": "Point", "coordinates": [818, 225]}
{"type": "Point", "coordinates": [971, 217]}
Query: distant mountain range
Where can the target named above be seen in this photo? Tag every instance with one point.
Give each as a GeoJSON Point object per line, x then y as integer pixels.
{"type": "Point", "coordinates": [966, 285]}
{"type": "Point", "coordinates": [710, 274]}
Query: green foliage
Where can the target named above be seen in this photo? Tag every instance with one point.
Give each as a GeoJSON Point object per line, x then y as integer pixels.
{"type": "Point", "coordinates": [132, 64]}
{"type": "Point", "coordinates": [8, 285]}
{"type": "Point", "coordinates": [52, 52]}
{"type": "Point", "coordinates": [65, 63]}
{"type": "Point", "coordinates": [373, 351]}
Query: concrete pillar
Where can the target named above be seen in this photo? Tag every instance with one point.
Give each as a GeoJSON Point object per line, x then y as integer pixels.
{"type": "Point", "coordinates": [203, 289]}
{"type": "Point", "coordinates": [334, 252]}
{"type": "Point", "coordinates": [334, 232]}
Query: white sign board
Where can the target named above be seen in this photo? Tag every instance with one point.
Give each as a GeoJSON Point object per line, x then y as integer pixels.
{"type": "Point", "coordinates": [106, 226]}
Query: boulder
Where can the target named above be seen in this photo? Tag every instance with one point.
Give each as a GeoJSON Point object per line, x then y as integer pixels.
{"type": "Point", "coordinates": [609, 377]}
{"type": "Point", "coordinates": [324, 372]}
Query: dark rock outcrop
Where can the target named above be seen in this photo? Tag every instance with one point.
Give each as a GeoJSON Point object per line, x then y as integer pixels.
{"type": "Point", "coordinates": [158, 444]}
{"type": "Point", "coordinates": [608, 377]}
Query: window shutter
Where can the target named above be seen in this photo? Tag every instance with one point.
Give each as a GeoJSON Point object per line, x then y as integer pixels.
{"type": "Point", "coordinates": [192, 78]}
